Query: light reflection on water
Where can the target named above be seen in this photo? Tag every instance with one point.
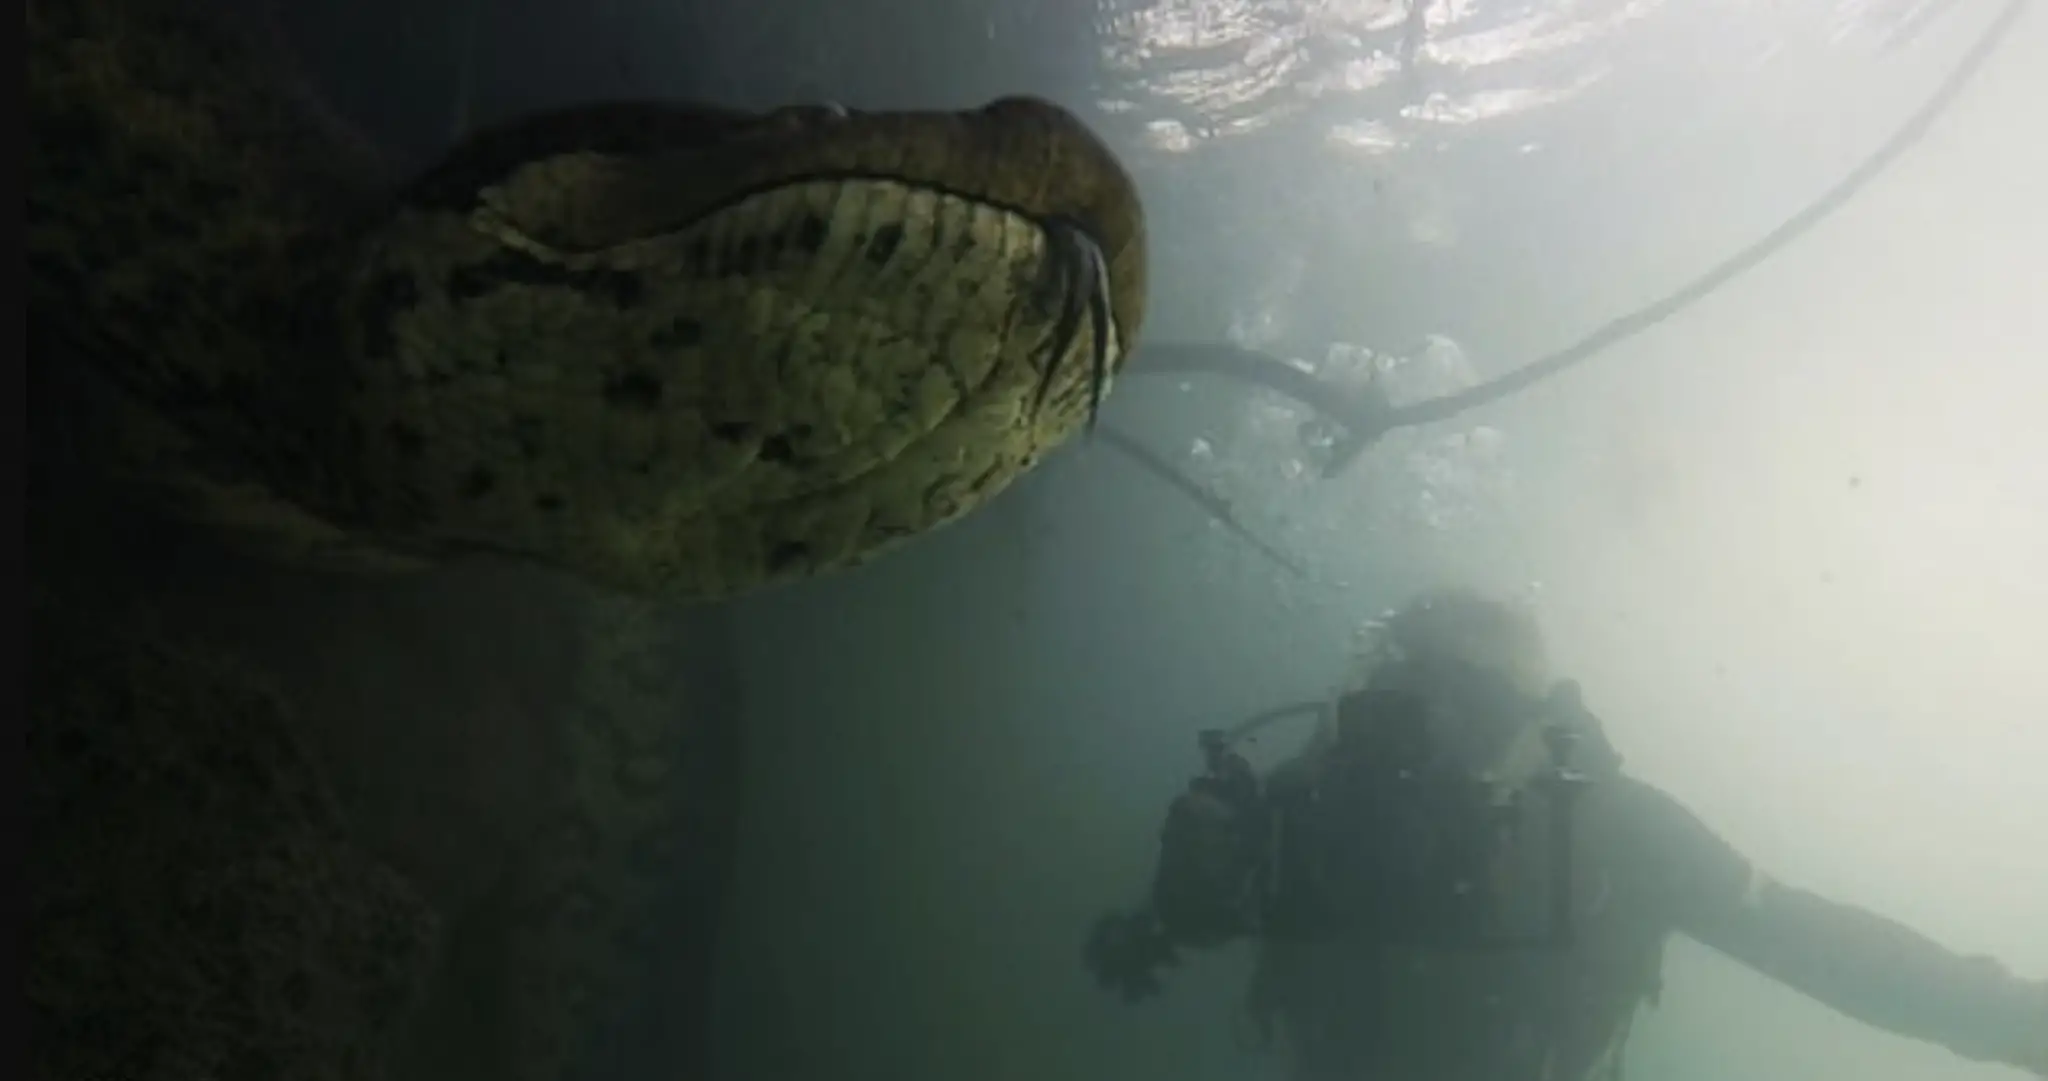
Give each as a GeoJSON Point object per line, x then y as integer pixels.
{"type": "Point", "coordinates": [1210, 69]}
{"type": "Point", "coordinates": [1390, 90]}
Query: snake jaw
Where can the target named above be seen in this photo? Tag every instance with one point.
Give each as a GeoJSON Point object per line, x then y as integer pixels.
{"type": "Point", "coordinates": [1075, 277]}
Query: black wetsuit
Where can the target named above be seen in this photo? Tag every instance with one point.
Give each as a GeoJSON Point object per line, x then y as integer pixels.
{"type": "Point", "coordinates": [1354, 1010]}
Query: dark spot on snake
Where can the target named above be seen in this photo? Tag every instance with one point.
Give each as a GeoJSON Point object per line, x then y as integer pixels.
{"type": "Point", "coordinates": [732, 431]}
{"type": "Point", "coordinates": [883, 244]}
{"type": "Point", "coordinates": [787, 555]}
{"type": "Point", "coordinates": [777, 449]}
{"type": "Point", "coordinates": [478, 482]}
{"type": "Point", "coordinates": [406, 438]}
{"type": "Point", "coordinates": [679, 334]}
{"type": "Point", "coordinates": [547, 501]}
{"type": "Point", "coordinates": [633, 390]}
{"type": "Point", "coordinates": [811, 233]}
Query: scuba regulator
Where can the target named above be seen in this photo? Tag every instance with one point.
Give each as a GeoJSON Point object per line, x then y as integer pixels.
{"type": "Point", "coordinates": [1388, 833]}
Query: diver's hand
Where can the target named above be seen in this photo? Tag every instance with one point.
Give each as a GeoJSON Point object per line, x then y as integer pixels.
{"type": "Point", "coordinates": [2034, 1049]}
{"type": "Point", "coordinates": [1125, 953]}
{"type": "Point", "coordinates": [2021, 1026]}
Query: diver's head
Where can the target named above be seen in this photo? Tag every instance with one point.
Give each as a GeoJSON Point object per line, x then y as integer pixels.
{"type": "Point", "coordinates": [1475, 666]}
{"type": "Point", "coordinates": [1454, 625]}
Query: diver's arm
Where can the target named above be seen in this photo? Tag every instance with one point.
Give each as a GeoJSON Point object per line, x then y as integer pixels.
{"type": "Point", "coordinates": [1208, 862]}
{"type": "Point", "coordinates": [1871, 968]}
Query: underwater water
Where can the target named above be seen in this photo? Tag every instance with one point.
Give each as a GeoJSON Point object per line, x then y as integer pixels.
{"type": "Point", "coordinates": [1789, 541]}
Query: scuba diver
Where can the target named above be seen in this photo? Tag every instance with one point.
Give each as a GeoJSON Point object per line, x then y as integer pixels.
{"type": "Point", "coordinates": [1455, 881]}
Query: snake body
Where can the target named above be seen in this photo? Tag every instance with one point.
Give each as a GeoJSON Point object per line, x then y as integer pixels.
{"type": "Point", "coordinates": [674, 351]}
{"type": "Point", "coordinates": [669, 348]}
{"type": "Point", "coordinates": [692, 362]}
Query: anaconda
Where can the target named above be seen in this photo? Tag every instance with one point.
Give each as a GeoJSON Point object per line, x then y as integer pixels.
{"type": "Point", "coordinates": [675, 349]}
{"type": "Point", "coordinates": [678, 350]}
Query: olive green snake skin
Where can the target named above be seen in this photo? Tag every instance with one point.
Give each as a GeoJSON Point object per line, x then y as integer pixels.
{"type": "Point", "coordinates": [677, 352]}
{"type": "Point", "coordinates": [669, 349]}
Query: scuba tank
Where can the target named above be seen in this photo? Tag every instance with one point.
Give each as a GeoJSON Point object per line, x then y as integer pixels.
{"type": "Point", "coordinates": [1395, 836]}
{"type": "Point", "coordinates": [1387, 833]}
